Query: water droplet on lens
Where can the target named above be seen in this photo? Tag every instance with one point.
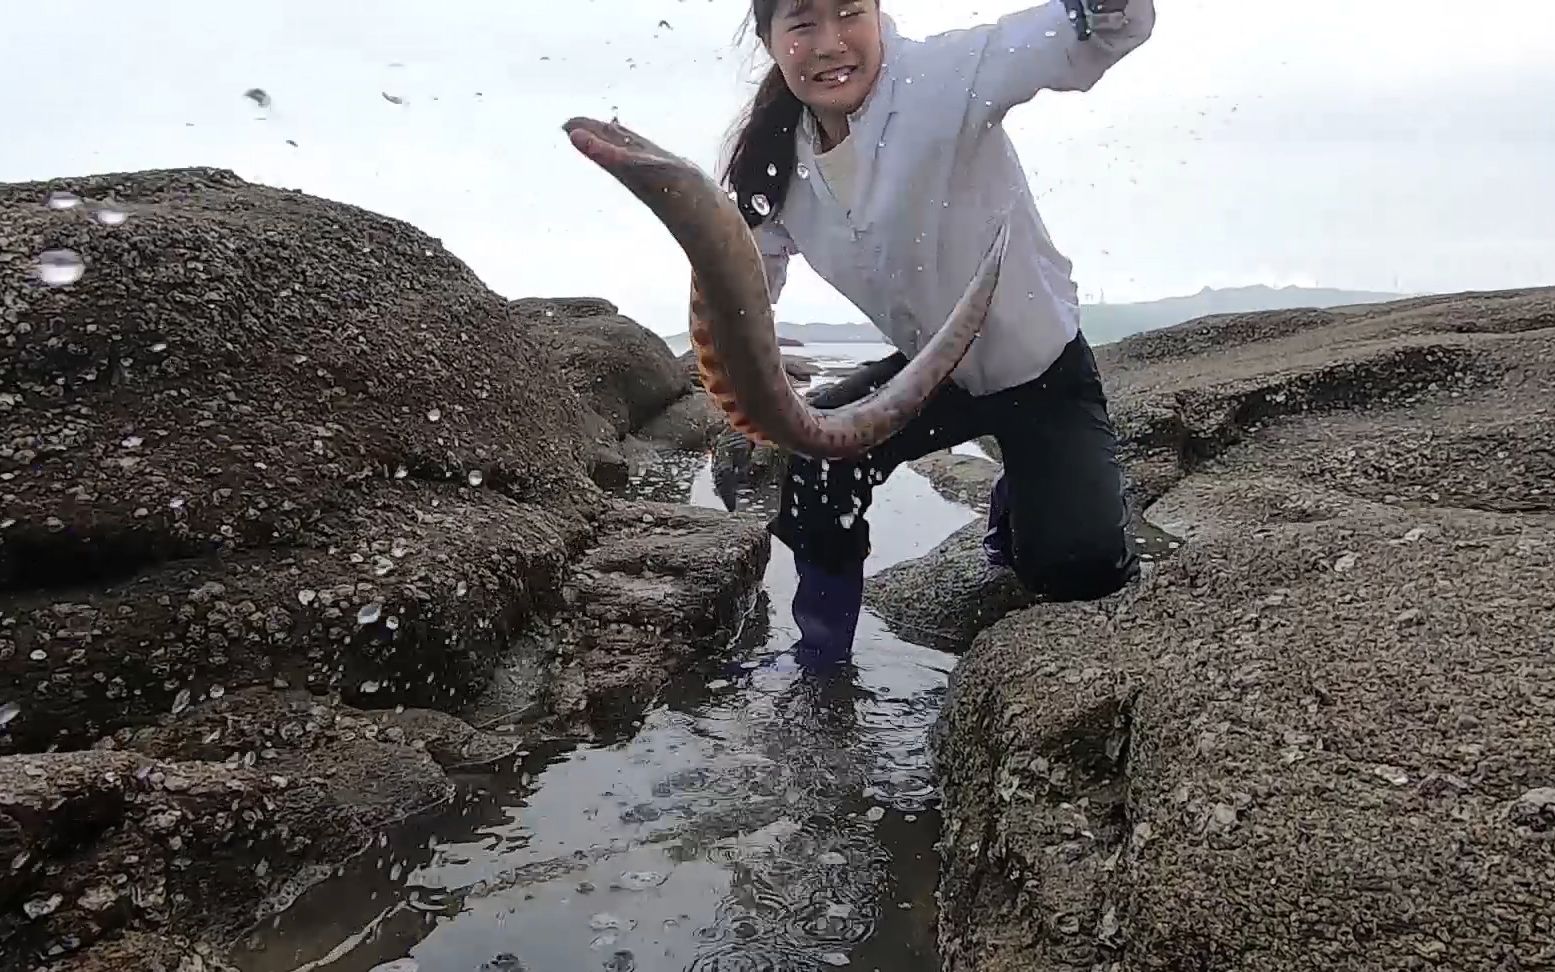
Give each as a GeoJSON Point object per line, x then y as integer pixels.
{"type": "Point", "coordinates": [58, 268]}
{"type": "Point", "coordinates": [112, 217]}
{"type": "Point", "coordinates": [60, 199]}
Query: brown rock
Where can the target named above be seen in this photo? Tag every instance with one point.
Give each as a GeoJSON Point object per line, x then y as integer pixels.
{"type": "Point", "coordinates": [1334, 698]}
{"type": "Point", "coordinates": [257, 415]}
{"type": "Point", "coordinates": [102, 842]}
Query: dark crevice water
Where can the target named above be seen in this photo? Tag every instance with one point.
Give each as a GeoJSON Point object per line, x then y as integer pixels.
{"type": "Point", "coordinates": [771, 821]}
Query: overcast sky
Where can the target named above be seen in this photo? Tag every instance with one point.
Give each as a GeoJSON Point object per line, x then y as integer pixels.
{"type": "Point", "coordinates": [1378, 144]}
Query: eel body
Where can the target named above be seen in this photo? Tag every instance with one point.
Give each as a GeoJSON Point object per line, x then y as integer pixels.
{"type": "Point", "coordinates": [731, 321]}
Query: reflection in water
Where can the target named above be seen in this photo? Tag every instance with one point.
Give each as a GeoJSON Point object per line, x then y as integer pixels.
{"type": "Point", "coordinates": [777, 820]}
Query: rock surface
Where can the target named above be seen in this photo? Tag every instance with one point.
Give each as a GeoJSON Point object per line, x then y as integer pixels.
{"type": "Point", "coordinates": [283, 485]}
{"type": "Point", "coordinates": [264, 435]}
{"type": "Point", "coordinates": [625, 375]}
{"type": "Point", "coordinates": [1319, 733]}
{"type": "Point", "coordinates": [100, 842]}
{"type": "Point", "coordinates": [669, 589]}
{"type": "Point", "coordinates": [944, 598]}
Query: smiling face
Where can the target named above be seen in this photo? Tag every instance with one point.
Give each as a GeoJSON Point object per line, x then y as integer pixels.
{"type": "Point", "coordinates": [828, 50]}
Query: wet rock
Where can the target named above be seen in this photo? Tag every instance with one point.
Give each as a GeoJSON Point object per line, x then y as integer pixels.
{"type": "Point", "coordinates": [623, 372]}
{"type": "Point", "coordinates": [944, 598]}
{"type": "Point", "coordinates": [1177, 405]}
{"type": "Point", "coordinates": [667, 591]}
{"type": "Point", "coordinates": [255, 419]}
{"type": "Point", "coordinates": [689, 424]}
{"type": "Point", "coordinates": [144, 951]}
{"type": "Point", "coordinates": [102, 842]}
{"type": "Point", "coordinates": [799, 368]}
{"type": "Point", "coordinates": [263, 726]}
{"type": "Point", "coordinates": [959, 478]}
{"type": "Point", "coordinates": [1337, 684]}
{"type": "Point", "coordinates": [416, 593]}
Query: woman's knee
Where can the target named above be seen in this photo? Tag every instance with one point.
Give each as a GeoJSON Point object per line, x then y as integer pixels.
{"type": "Point", "coordinates": [1084, 574]}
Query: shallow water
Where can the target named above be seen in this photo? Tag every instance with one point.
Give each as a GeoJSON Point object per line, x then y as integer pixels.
{"type": "Point", "coordinates": [781, 821]}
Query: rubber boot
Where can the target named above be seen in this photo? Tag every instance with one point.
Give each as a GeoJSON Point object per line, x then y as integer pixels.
{"type": "Point", "coordinates": [826, 609]}
{"type": "Point", "coordinates": [996, 540]}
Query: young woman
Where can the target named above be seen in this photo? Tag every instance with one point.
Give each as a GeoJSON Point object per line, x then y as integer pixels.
{"type": "Point", "coordinates": [883, 160]}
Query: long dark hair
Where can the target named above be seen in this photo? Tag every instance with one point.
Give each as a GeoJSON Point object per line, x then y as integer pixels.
{"type": "Point", "coordinates": [764, 157]}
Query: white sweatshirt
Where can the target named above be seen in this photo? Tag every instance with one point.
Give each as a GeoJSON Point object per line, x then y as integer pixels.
{"type": "Point", "coordinates": [930, 170]}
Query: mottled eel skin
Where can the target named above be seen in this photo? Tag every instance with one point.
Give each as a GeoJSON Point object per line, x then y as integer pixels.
{"type": "Point", "coordinates": [732, 328]}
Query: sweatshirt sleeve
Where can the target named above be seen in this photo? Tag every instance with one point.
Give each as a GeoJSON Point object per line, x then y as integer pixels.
{"type": "Point", "coordinates": [1005, 63]}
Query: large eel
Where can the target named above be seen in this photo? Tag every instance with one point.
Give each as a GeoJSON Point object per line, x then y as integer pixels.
{"type": "Point", "coordinates": [732, 328]}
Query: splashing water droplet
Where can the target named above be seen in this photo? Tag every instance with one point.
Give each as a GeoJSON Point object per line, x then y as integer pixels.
{"type": "Point", "coordinates": [306, 597]}
{"type": "Point", "coordinates": [771, 169]}
{"type": "Point", "coordinates": [369, 613]}
{"type": "Point", "coordinates": [400, 472]}
{"type": "Point", "coordinates": [59, 268]}
{"type": "Point", "coordinates": [802, 170]}
{"type": "Point", "coordinates": [760, 204]}
{"type": "Point", "coordinates": [112, 217]}
{"type": "Point", "coordinates": [476, 477]}
{"type": "Point", "coordinates": [369, 687]}
{"type": "Point", "coordinates": [9, 712]}
{"type": "Point", "coordinates": [59, 199]}
{"type": "Point", "coordinates": [434, 415]}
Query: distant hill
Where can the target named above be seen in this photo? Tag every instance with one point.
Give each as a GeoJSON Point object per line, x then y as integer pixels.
{"type": "Point", "coordinates": [1105, 323]}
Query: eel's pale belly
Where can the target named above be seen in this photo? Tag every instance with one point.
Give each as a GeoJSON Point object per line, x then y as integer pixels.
{"type": "Point", "coordinates": [732, 330]}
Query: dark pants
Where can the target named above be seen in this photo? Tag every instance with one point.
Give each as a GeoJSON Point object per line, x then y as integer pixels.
{"type": "Point", "coordinates": [1067, 514]}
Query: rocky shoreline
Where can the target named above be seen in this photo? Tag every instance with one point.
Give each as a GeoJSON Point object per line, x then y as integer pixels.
{"type": "Point", "coordinates": [299, 519]}
{"type": "Point", "coordinates": [291, 499]}
{"type": "Point", "coordinates": [1317, 735]}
